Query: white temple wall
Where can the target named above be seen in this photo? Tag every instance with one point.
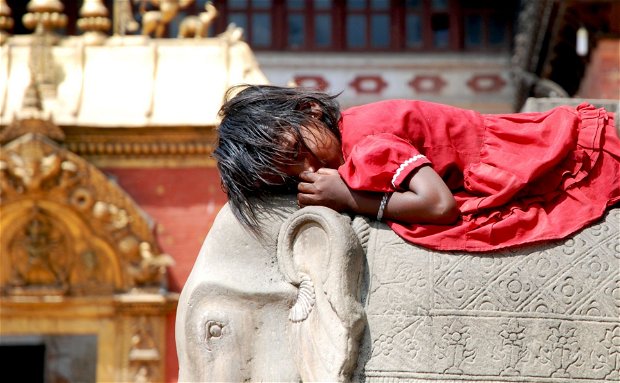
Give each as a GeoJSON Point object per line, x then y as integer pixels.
{"type": "Point", "coordinates": [476, 81]}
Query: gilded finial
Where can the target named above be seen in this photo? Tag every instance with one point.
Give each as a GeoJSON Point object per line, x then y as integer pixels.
{"type": "Point", "coordinates": [32, 103]}
{"type": "Point", "coordinates": [45, 15]}
{"type": "Point", "coordinates": [6, 21]}
{"type": "Point", "coordinates": [31, 118]}
{"type": "Point", "coordinates": [94, 21]}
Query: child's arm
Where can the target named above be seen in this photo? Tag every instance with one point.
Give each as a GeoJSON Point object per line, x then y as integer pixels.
{"type": "Point", "coordinates": [428, 199]}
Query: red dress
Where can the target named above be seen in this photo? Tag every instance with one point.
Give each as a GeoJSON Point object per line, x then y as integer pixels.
{"type": "Point", "coordinates": [517, 178]}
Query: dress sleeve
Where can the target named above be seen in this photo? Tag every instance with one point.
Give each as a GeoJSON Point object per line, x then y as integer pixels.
{"type": "Point", "coordinates": [381, 162]}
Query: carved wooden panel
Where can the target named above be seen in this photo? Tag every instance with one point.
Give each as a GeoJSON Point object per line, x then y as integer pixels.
{"type": "Point", "coordinates": [67, 229]}
{"type": "Point", "coordinates": [79, 257]}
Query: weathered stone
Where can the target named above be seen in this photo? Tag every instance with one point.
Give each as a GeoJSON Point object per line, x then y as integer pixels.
{"type": "Point", "coordinates": [297, 304]}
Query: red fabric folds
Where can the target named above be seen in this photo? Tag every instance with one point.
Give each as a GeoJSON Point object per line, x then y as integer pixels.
{"type": "Point", "coordinates": [518, 178]}
{"type": "Point", "coordinates": [381, 162]}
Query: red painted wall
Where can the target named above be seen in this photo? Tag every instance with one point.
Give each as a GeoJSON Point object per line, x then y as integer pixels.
{"type": "Point", "coordinates": [183, 203]}
{"type": "Point", "coordinates": [602, 77]}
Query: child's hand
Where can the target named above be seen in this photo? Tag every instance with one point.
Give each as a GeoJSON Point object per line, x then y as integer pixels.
{"type": "Point", "coordinates": [324, 188]}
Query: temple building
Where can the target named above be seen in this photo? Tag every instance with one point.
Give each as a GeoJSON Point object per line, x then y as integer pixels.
{"type": "Point", "coordinates": [108, 115]}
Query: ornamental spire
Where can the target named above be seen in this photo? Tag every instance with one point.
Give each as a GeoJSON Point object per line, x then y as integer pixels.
{"type": "Point", "coordinates": [6, 21]}
{"type": "Point", "coordinates": [94, 21]}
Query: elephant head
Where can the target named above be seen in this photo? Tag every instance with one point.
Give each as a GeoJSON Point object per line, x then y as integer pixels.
{"type": "Point", "coordinates": [281, 308]}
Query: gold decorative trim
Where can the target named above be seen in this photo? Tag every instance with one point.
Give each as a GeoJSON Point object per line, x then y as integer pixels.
{"type": "Point", "coordinates": [67, 229]}
{"type": "Point", "coordinates": [143, 147]}
{"type": "Point", "coordinates": [140, 148]}
{"type": "Point", "coordinates": [129, 147]}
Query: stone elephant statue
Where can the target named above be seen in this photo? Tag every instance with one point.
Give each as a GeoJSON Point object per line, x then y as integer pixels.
{"type": "Point", "coordinates": [250, 303]}
{"type": "Point", "coordinates": [325, 297]}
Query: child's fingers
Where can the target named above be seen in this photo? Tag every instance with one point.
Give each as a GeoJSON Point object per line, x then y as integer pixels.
{"type": "Point", "coordinates": [307, 194]}
{"type": "Point", "coordinates": [306, 187]}
{"type": "Point", "coordinates": [308, 176]}
{"type": "Point", "coordinates": [305, 199]}
{"type": "Point", "coordinates": [327, 171]}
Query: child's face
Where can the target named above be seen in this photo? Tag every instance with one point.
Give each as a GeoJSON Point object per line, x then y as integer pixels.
{"type": "Point", "coordinates": [320, 149]}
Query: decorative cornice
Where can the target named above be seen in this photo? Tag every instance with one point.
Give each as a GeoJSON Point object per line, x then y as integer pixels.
{"type": "Point", "coordinates": [140, 148]}
{"type": "Point", "coordinates": [177, 146]}
{"type": "Point", "coordinates": [143, 147]}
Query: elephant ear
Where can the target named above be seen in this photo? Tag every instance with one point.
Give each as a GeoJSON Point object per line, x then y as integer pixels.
{"type": "Point", "coordinates": [319, 252]}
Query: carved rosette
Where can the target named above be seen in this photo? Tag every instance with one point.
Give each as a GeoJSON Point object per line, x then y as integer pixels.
{"type": "Point", "coordinates": [68, 229]}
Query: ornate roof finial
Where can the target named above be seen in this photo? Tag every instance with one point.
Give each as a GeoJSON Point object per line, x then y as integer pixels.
{"type": "Point", "coordinates": [6, 21]}
{"type": "Point", "coordinates": [32, 117]}
{"type": "Point", "coordinates": [32, 103]}
{"type": "Point", "coordinates": [45, 15]}
{"type": "Point", "coordinates": [94, 21]}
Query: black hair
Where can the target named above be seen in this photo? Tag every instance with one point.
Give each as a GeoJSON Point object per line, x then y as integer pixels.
{"type": "Point", "coordinates": [250, 151]}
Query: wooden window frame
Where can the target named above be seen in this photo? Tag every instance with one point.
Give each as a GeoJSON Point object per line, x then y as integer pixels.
{"type": "Point", "coordinates": [397, 12]}
{"type": "Point", "coordinates": [367, 12]}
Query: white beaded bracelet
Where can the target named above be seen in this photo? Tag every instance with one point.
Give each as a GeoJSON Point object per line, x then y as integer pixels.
{"type": "Point", "coordinates": [382, 206]}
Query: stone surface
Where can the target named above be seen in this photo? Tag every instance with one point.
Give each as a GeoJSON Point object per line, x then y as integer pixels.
{"type": "Point", "coordinates": [543, 313]}
{"type": "Point", "coordinates": [296, 305]}
{"type": "Point", "coordinates": [235, 321]}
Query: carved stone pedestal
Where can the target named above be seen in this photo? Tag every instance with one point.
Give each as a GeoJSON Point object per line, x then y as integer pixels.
{"type": "Point", "coordinates": [325, 298]}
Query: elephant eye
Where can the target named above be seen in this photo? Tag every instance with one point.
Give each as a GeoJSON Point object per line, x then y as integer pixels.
{"type": "Point", "coordinates": [214, 329]}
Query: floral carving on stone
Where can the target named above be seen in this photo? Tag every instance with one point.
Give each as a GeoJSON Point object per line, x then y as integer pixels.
{"type": "Point", "coordinates": [606, 357]}
{"type": "Point", "coordinates": [513, 350]}
{"type": "Point", "coordinates": [456, 346]}
{"type": "Point", "coordinates": [383, 345]}
{"type": "Point", "coordinates": [561, 350]}
{"type": "Point", "coordinates": [543, 312]}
